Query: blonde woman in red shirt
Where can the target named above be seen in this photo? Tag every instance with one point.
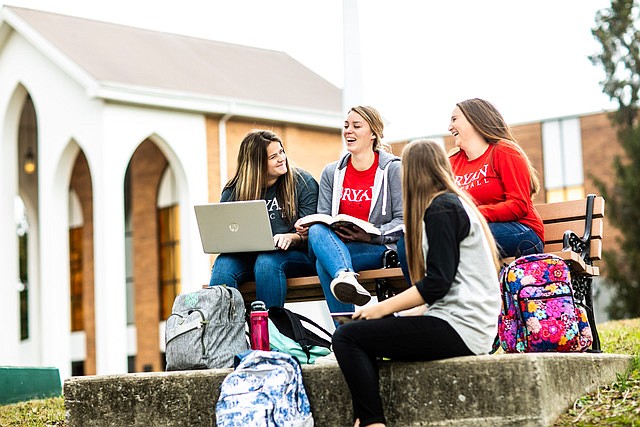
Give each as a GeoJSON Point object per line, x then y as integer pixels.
{"type": "Point", "coordinates": [490, 165]}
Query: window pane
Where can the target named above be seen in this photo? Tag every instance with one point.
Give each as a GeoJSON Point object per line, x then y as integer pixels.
{"type": "Point", "coordinates": [552, 155]}
{"type": "Point", "coordinates": [24, 292]}
{"type": "Point", "coordinates": [572, 152]}
{"type": "Point", "coordinates": [76, 279]}
{"type": "Point", "coordinates": [169, 254]}
{"type": "Point", "coordinates": [562, 158]}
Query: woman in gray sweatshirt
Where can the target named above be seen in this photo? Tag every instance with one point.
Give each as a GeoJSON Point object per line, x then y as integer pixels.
{"type": "Point", "coordinates": [364, 183]}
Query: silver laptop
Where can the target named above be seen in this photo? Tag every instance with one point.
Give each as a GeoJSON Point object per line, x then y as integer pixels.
{"type": "Point", "coordinates": [234, 227]}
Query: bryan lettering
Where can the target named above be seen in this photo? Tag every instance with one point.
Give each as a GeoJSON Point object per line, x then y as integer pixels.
{"type": "Point", "coordinates": [355, 196]}
{"type": "Point", "coordinates": [274, 209]}
{"type": "Point", "coordinates": [473, 179]}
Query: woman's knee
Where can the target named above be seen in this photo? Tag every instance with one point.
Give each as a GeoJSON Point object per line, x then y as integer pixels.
{"type": "Point", "coordinates": [515, 239]}
{"type": "Point", "coordinates": [268, 265]}
{"type": "Point", "coordinates": [224, 276]}
{"type": "Point", "coordinates": [529, 247]}
{"type": "Point", "coordinates": [316, 230]}
{"type": "Point", "coordinates": [342, 336]}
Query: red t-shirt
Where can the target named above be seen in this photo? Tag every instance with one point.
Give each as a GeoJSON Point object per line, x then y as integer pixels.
{"type": "Point", "coordinates": [357, 190]}
{"type": "Point", "coordinates": [499, 183]}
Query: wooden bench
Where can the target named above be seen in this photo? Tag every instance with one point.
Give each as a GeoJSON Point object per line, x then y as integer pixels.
{"type": "Point", "coordinates": [562, 223]}
{"type": "Point", "coordinates": [379, 282]}
{"type": "Point", "coordinates": [573, 231]}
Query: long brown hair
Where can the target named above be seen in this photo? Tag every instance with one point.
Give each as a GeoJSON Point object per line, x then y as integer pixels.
{"type": "Point", "coordinates": [250, 179]}
{"type": "Point", "coordinates": [426, 173]}
{"type": "Point", "coordinates": [374, 119]}
{"type": "Point", "coordinates": [488, 121]}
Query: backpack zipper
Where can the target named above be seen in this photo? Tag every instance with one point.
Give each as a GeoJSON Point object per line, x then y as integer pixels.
{"type": "Point", "coordinates": [204, 324]}
{"type": "Point", "coordinates": [232, 308]}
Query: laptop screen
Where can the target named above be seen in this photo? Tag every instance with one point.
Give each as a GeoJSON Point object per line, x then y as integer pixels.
{"type": "Point", "coordinates": [234, 227]}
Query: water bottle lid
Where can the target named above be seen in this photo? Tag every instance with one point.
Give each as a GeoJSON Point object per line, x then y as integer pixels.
{"type": "Point", "coordinates": [258, 306]}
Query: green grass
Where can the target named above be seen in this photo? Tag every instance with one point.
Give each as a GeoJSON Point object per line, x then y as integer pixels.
{"type": "Point", "coordinates": [34, 413]}
{"type": "Point", "coordinates": [617, 404]}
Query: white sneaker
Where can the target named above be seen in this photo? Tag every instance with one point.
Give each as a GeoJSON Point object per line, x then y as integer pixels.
{"type": "Point", "coordinates": [346, 289]}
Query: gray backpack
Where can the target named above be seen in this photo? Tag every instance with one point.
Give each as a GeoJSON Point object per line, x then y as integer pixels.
{"type": "Point", "coordinates": [206, 329]}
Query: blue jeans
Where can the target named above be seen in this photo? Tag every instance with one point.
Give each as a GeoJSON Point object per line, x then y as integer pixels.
{"type": "Point", "coordinates": [332, 256]}
{"type": "Point", "coordinates": [269, 270]}
{"type": "Point", "coordinates": [515, 239]}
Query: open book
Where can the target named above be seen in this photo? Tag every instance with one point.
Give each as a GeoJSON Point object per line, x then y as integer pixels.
{"type": "Point", "coordinates": [340, 220]}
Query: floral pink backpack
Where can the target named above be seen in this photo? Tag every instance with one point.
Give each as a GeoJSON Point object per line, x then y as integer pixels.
{"type": "Point", "coordinates": [539, 312]}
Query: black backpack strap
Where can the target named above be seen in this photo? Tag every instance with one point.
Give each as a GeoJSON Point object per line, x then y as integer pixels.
{"type": "Point", "coordinates": [299, 333]}
{"type": "Point", "coordinates": [312, 337]}
{"type": "Point", "coordinates": [295, 318]}
{"type": "Point", "coordinates": [298, 330]}
{"type": "Point", "coordinates": [311, 322]}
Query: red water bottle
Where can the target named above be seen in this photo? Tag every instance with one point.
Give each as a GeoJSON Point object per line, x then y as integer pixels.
{"type": "Point", "coordinates": [259, 326]}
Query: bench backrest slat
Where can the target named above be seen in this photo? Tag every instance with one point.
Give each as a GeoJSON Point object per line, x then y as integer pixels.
{"type": "Point", "coordinates": [570, 210]}
{"type": "Point", "coordinates": [570, 215]}
{"type": "Point", "coordinates": [553, 232]}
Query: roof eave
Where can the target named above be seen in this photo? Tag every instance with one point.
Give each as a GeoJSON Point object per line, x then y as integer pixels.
{"type": "Point", "coordinates": [46, 48]}
{"type": "Point", "coordinates": [5, 29]}
{"type": "Point", "coordinates": [184, 101]}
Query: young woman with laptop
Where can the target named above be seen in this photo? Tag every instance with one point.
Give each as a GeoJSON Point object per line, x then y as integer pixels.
{"type": "Point", "coordinates": [264, 173]}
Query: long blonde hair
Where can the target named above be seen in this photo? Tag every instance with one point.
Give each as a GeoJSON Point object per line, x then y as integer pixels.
{"type": "Point", "coordinates": [250, 179]}
{"type": "Point", "coordinates": [488, 121]}
{"type": "Point", "coordinates": [426, 173]}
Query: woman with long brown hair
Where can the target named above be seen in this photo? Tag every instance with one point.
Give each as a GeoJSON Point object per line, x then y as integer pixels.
{"type": "Point", "coordinates": [452, 308]}
{"type": "Point", "coordinates": [496, 172]}
{"type": "Point", "coordinates": [264, 172]}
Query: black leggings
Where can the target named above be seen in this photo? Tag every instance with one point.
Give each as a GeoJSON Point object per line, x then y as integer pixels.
{"type": "Point", "coordinates": [358, 344]}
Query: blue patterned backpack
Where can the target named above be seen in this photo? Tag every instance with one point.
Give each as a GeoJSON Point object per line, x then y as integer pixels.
{"type": "Point", "coordinates": [265, 390]}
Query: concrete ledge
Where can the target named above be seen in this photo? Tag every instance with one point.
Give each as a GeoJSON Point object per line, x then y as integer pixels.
{"type": "Point", "coordinates": [497, 390]}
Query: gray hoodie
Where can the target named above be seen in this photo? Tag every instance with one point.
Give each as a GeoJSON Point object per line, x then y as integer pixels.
{"type": "Point", "coordinates": [386, 204]}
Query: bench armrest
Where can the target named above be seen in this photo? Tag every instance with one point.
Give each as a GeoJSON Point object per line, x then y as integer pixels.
{"type": "Point", "coordinates": [581, 245]}
{"type": "Point", "coordinates": [577, 244]}
{"type": "Point", "coordinates": [390, 259]}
